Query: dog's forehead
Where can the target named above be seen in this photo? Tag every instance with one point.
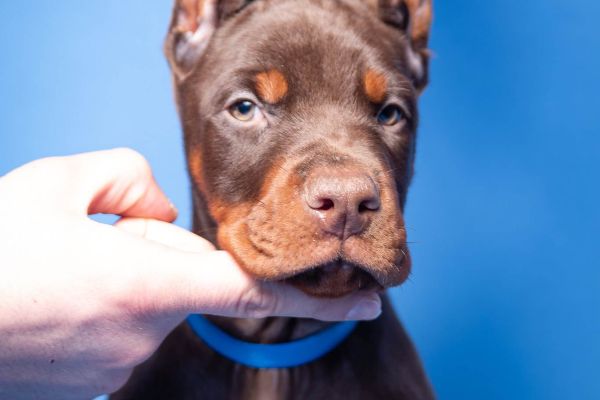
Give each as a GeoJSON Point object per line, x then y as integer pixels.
{"type": "Point", "coordinates": [306, 47]}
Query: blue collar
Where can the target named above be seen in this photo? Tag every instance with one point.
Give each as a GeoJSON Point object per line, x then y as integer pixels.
{"type": "Point", "coordinates": [278, 355]}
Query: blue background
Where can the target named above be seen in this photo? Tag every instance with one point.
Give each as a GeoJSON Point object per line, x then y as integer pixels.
{"type": "Point", "coordinates": [503, 302]}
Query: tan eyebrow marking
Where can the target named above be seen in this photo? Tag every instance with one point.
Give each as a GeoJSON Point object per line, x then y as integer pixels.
{"type": "Point", "coordinates": [271, 86]}
{"type": "Point", "coordinates": [375, 85]}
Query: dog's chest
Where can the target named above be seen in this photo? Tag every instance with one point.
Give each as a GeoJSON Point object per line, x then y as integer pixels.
{"type": "Point", "coordinates": [264, 384]}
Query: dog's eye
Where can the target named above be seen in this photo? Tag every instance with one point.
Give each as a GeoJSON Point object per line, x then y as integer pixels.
{"type": "Point", "coordinates": [243, 110]}
{"type": "Point", "coordinates": [390, 115]}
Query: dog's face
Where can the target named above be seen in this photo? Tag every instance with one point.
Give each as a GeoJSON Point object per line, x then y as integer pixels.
{"type": "Point", "coordinates": [300, 120]}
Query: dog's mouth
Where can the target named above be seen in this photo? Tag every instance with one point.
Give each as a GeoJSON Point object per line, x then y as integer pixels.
{"type": "Point", "coordinates": [334, 279]}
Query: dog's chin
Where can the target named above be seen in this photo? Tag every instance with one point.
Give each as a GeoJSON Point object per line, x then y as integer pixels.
{"type": "Point", "coordinates": [334, 279]}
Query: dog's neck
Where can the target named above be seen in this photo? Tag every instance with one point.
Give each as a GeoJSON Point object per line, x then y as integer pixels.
{"type": "Point", "coordinates": [264, 330]}
{"type": "Point", "coordinates": [269, 330]}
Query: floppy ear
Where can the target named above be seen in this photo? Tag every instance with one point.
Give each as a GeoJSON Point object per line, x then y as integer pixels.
{"type": "Point", "coordinates": [192, 25]}
{"type": "Point", "coordinates": [413, 17]}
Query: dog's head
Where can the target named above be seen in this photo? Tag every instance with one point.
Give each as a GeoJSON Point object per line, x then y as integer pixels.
{"type": "Point", "coordinates": [300, 120]}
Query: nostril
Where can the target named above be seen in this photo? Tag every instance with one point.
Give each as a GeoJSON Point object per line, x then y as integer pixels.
{"type": "Point", "coordinates": [321, 203]}
{"type": "Point", "coordinates": [368, 205]}
{"type": "Point", "coordinates": [324, 205]}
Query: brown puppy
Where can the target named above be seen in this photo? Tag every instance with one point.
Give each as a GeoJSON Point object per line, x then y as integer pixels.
{"type": "Point", "coordinates": [300, 121]}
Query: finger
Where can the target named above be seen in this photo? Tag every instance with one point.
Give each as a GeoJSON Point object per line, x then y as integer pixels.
{"type": "Point", "coordinates": [212, 283]}
{"type": "Point", "coordinates": [117, 181]}
{"type": "Point", "coordinates": [287, 301]}
{"type": "Point", "coordinates": [166, 234]}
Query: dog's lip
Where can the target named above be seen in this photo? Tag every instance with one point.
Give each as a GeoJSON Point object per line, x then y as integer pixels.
{"type": "Point", "coordinates": [338, 265]}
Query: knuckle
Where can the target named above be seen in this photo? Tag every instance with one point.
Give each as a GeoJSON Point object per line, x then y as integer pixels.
{"type": "Point", "coordinates": [127, 152]}
{"type": "Point", "coordinates": [133, 298]}
{"type": "Point", "coordinates": [142, 309]}
{"type": "Point", "coordinates": [133, 159]}
{"type": "Point", "coordinates": [259, 301]}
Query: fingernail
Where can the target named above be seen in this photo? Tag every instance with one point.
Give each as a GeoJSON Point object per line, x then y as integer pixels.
{"type": "Point", "coordinates": [173, 207]}
{"type": "Point", "coordinates": [366, 309]}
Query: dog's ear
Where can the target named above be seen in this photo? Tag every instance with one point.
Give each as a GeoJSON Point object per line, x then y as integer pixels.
{"type": "Point", "coordinates": [413, 18]}
{"type": "Point", "coordinates": [192, 25]}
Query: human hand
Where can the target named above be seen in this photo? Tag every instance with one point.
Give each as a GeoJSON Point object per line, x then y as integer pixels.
{"type": "Point", "coordinates": [84, 302]}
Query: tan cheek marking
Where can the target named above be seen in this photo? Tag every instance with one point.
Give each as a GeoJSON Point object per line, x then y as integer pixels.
{"type": "Point", "coordinates": [271, 86]}
{"type": "Point", "coordinates": [375, 85]}
{"type": "Point", "coordinates": [195, 166]}
{"type": "Point", "coordinates": [228, 213]}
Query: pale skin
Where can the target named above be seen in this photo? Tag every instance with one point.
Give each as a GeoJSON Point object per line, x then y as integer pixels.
{"type": "Point", "coordinates": [82, 302]}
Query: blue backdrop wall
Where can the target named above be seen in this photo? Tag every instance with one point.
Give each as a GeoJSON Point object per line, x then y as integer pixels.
{"type": "Point", "coordinates": [504, 299]}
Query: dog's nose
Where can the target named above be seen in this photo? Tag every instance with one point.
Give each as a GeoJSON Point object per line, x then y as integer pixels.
{"type": "Point", "coordinates": [343, 201]}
